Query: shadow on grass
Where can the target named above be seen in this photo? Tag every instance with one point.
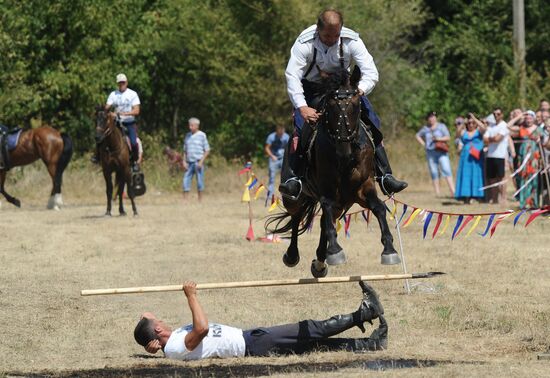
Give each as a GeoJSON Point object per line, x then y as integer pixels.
{"type": "Point", "coordinates": [246, 370]}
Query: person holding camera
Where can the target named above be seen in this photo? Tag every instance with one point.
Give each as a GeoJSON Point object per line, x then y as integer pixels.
{"type": "Point", "coordinates": [435, 137]}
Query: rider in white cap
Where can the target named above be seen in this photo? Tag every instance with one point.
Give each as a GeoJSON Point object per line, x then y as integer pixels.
{"type": "Point", "coordinates": [126, 104]}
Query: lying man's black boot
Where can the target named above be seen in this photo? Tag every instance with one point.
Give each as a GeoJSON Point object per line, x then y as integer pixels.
{"type": "Point", "coordinates": [378, 340]}
{"type": "Point", "coordinates": [370, 307]}
{"type": "Point", "coordinates": [388, 184]}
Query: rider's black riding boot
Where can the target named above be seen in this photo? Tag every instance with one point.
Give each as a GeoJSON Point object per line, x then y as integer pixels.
{"type": "Point", "coordinates": [293, 169]}
{"type": "Point", "coordinates": [370, 309]}
{"type": "Point", "coordinates": [388, 183]}
{"type": "Point", "coordinates": [134, 157]}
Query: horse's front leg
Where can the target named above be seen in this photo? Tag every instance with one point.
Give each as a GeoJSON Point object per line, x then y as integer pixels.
{"type": "Point", "coordinates": [10, 199]}
{"type": "Point", "coordinates": [389, 254]}
{"type": "Point", "coordinates": [120, 193]}
{"type": "Point", "coordinates": [335, 253]}
{"type": "Point", "coordinates": [318, 266]}
{"type": "Point", "coordinates": [292, 256]}
{"type": "Point", "coordinates": [108, 191]}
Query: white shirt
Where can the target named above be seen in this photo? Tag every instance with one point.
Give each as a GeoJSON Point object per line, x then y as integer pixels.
{"type": "Point", "coordinates": [328, 60]}
{"type": "Point", "coordinates": [498, 150]}
{"type": "Point", "coordinates": [222, 341]}
{"type": "Point", "coordinates": [124, 102]}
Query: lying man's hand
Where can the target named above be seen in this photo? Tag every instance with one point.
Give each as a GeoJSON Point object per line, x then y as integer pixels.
{"type": "Point", "coordinates": [153, 346]}
{"type": "Point", "coordinates": [189, 288]}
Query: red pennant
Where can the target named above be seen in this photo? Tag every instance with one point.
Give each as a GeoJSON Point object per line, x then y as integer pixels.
{"type": "Point", "coordinates": [250, 233]}
{"type": "Point", "coordinates": [244, 170]}
{"type": "Point", "coordinates": [439, 219]}
{"type": "Point", "coordinates": [534, 215]}
{"type": "Point", "coordinates": [466, 221]}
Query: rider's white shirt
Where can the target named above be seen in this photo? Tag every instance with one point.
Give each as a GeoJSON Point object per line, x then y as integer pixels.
{"type": "Point", "coordinates": [124, 102]}
{"type": "Point", "coordinates": [328, 60]}
{"type": "Point", "coordinates": [222, 341]}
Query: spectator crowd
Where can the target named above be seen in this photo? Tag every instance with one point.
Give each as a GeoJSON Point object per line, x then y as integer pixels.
{"type": "Point", "coordinates": [488, 147]}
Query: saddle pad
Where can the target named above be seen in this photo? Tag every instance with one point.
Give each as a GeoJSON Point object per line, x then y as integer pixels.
{"type": "Point", "coordinates": [13, 139]}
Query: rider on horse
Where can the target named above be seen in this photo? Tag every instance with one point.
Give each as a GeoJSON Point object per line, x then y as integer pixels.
{"type": "Point", "coordinates": [127, 106]}
{"type": "Point", "coordinates": [315, 56]}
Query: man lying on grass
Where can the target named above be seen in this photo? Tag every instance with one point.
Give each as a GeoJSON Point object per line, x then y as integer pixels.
{"type": "Point", "coordinates": [204, 340]}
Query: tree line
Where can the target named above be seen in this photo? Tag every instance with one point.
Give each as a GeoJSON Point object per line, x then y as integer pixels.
{"type": "Point", "coordinates": [223, 61]}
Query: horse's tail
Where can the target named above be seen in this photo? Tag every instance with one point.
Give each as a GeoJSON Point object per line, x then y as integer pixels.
{"type": "Point", "coordinates": [308, 211]}
{"type": "Point", "coordinates": [64, 160]}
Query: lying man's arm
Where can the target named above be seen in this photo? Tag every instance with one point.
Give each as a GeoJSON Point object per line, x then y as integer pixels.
{"type": "Point", "coordinates": [200, 322]}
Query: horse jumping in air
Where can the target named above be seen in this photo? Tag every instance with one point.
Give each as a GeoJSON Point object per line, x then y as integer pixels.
{"type": "Point", "coordinates": [341, 172]}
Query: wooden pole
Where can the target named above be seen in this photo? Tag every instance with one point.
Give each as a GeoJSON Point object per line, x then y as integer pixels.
{"type": "Point", "coordinates": [241, 284]}
{"type": "Point", "coordinates": [518, 44]}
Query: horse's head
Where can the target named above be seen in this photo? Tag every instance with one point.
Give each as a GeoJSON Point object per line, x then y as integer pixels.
{"type": "Point", "coordinates": [104, 123]}
{"type": "Point", "coordinates": [342, 106]}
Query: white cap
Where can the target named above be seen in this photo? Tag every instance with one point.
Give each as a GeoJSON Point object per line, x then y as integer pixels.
{"type": "Point", "coordinates": [121, 77]}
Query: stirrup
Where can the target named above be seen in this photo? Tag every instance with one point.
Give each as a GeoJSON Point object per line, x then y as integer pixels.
{"type": "Point", "coordinates": [293, 198]}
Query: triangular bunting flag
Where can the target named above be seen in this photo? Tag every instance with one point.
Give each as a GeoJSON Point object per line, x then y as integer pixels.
{"type": "Point", "coordinates": [476, 222]}
{"type": "Point", "coordinates": [427, 224]}
{"type": "Point", "coordinates": [457, 225]}
{"type": "Point", "coordinates": [437, 224]}
{"type": "Point", "coordinates": [246, 195]}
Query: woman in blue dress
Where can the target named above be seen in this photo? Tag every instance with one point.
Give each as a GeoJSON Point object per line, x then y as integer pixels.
{"type": "Point", "coordinates": [469, 176]}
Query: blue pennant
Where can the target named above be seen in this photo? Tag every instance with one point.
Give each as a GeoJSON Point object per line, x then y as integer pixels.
{"type": "Point", "coordinates": [458, 222]}
{"type": "Point", "coordinates": [427, 224]}
{"type": "Point", "coordinates": [489, 223]}
{"type": "Point", "coordinates": [516, 218]}
{"type": "Point", "coordinates": [402, 215]}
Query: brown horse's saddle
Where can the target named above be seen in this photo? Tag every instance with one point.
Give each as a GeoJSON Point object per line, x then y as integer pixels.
{"type": "Point", "coordinates": [8, 142]}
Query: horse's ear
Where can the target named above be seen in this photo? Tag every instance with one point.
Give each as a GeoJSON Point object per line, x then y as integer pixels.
{"type": "Point", "coordinates": [355, 76]}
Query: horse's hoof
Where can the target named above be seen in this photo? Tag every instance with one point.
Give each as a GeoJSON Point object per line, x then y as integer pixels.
{"type": "Point", "coordinates": [338, 258]}
{"type": "Point", "coordinates": [136, 214]}
{"type": "Point", "coordinates": [290, 263]}
{"type": "Point", "coordinates": [108, 214]}
{"type": "Point", "coordinates": [390, 258]}
{"type": "Point", "coordinates": [122, 213]}
{"type": "Point", "coordinates": [17, 203]}
{"type": "Point", "coordinates": [318, 273]}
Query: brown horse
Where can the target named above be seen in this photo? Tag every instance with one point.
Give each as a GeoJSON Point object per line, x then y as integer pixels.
{"type": "Point", "coordinates": [46, 143]}
{"type": "Point", "coordinates": [341, 172]}
{"type": "Point", "coordinates": [114, 155]}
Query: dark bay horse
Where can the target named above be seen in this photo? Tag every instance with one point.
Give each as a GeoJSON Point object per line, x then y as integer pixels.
{"type": "Point", "coordinates": [341, 172]}
{"type": "Point", "coordinates": [114, 155]}
{"type": "Point", "coordinates": [55, 149]}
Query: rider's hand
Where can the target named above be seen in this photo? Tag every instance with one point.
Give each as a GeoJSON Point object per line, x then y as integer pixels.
{"type": "Point", "coordinates": [153, 346]}
{"type": "Point", "coordinates": [309, 114]}
{"type": "Point", "coordinates": [360, 92]}
{"type": "Point", "coordinates": [190, 288]}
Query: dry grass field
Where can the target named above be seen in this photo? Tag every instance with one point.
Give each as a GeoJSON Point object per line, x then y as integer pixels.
{"type": "Point", "coordinates": [489, 316]}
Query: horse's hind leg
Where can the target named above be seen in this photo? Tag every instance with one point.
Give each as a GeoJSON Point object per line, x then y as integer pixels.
{"type": "Point", "coordinates": [130, 190]}
{"type": "Point", "coordinates": [318, 266]}
{"type": "Point", "coordinates": [120, 193]}
{"type": "Point", "coordinates": [10, 199]}
{"type": "Point", "coordinates": [53, 201]}
{"type": "Point", "coordinates": [389, 255]}
{"type": "Point", "coordinates": [292, 256]}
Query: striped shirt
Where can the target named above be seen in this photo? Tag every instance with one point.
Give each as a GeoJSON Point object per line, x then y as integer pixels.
{"type": "Point", "coordinates": [195, 145]}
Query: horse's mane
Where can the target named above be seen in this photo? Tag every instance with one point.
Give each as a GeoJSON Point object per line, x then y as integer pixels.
{"type": "Point", "coordinates": [336, 80]}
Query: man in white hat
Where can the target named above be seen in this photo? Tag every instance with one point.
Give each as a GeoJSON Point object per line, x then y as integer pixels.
{"type": "Point", "coordinates": [126, 104]}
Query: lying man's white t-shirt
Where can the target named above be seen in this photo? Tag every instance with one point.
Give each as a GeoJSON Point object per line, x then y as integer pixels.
{"type": "Point", "coordinates": [222, 341]}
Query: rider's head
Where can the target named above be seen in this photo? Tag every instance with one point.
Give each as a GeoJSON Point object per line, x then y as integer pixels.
{"type": "Point", "coordinates": [329, 25]}
{"type": "Point", "coordinates": [122, 82]}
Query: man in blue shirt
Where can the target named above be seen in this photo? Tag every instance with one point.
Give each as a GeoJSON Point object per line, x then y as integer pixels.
{"type": "Point", "coordinates": [195, 152]}
{"type": "Point", "coordinates": [275, 149]}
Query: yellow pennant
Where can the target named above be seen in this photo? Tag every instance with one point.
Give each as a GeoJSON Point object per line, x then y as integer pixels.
{"type": "Point", "coordinates": [413, 215]}
{"type": "Point", "coordinates": [476, 222]}
{"type": "Point", "coordinates": [394, 210]}
{"type": "Point", "coordinates": [338, 226]}
{"type": "Point", "coordinates": [355, 218]}
{"type": "Point", "coordinates": [249, 181]}
{"type": "Point", "coordinates": [447, 220]}
{"type": "Point", "coordinates": [246, 195]}
{"type": "Point", "coordinates": [274, 205]}
{"type": "Point", "coordinates": [259, 191]}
